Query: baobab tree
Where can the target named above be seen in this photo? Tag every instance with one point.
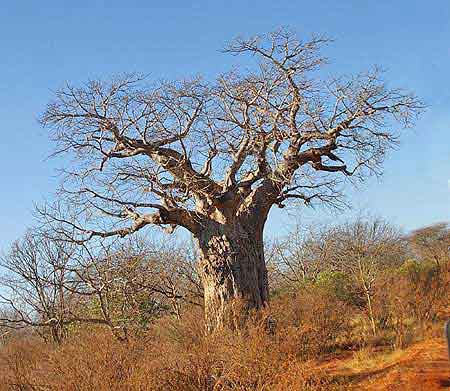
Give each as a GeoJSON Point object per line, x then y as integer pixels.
{"type": "Point", "coordinates": [215, 157]}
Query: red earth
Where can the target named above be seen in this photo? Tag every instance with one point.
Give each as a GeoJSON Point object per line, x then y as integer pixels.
{"type": "Point", "coordinates": [425, 366]}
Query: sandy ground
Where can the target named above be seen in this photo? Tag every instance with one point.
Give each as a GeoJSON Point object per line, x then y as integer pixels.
{"type": "Point", "coordinates": [423, 367]}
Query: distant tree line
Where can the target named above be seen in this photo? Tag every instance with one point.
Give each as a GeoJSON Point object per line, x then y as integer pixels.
{"type": "Point", "coordinates": [54, 287]}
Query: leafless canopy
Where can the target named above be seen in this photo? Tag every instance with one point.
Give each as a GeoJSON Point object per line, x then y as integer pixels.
{"type": "Point", "coordinates": [180, 153]}
{"type": "Point", "coordinates": [49, 285]}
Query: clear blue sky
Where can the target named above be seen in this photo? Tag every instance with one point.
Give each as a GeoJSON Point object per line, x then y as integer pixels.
{"type": "Point", "coordinates": [48, 42]}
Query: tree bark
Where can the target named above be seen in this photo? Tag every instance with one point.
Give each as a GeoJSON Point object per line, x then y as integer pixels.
{"type": "Point", "coordinates": [233, 272]}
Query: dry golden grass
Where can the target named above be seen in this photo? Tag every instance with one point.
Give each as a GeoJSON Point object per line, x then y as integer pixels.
{"type": "Point", "coordinates": [315, 342]}
{"type": "Point", "coordinates": [176, 355]}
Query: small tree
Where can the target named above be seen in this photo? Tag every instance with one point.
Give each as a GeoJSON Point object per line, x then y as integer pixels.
{"type": "Point", "coordinates": [130, 284]}
{"type": "Point", "coordinates": [431, 243]}
{"type": "Point", "coordinates": [365, 249]}
{"type": "Point", "coordinates": [34, 286]}
{"type": "Point", "coordinates": [303, 254]}
{"type": "Point", "coordinates": [214, 158]}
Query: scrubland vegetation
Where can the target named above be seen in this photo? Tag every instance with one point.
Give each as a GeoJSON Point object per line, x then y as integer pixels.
{"type": "Point", "coordinates": [129, 315]}
{"type": "Point", "coordinates": [88, 302]}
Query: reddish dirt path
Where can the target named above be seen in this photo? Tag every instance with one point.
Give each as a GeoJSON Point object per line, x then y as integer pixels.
{"type": "Point", "coordinates": [423, 367]}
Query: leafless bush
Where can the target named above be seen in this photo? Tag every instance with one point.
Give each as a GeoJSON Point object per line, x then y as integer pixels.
{"type": "Point", "coordinates": [52, 285]}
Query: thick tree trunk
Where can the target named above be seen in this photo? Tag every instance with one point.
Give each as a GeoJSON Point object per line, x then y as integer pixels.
{"type": "Point", "coordinates": [233, 272]}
